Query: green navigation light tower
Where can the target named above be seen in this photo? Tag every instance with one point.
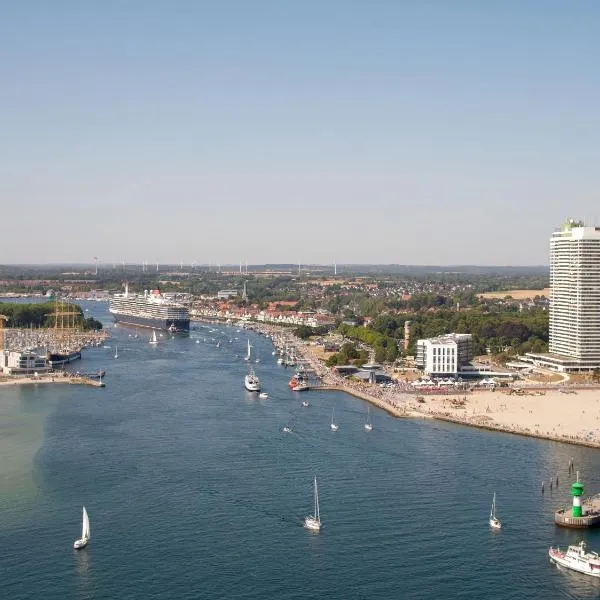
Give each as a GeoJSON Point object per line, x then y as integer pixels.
{"type": "Point", "coordinates": [577, 492]}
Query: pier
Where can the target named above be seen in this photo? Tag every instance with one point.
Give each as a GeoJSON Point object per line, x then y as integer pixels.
{"type": "Point", "coordinates": [590, 518]}
{"type": "Point", "coordinates": [52, 378]}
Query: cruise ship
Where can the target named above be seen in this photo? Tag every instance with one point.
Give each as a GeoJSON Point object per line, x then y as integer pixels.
{"type": "Point", "coordinates": [150, 309]}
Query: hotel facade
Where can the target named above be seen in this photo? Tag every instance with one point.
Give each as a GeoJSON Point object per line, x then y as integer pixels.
{"type": "Point", "coordinates": [574, 299]}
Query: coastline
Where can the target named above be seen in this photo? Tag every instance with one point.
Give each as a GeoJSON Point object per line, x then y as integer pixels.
{"type": "Point", "coordinates": [551, 414]}
{"type": "Point", "coordinates": [54, 379]}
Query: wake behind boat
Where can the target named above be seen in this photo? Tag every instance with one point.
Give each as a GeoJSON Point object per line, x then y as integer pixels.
{"type": "Point", "coordinates": [85, 532]}
{"type": "Point", "coordinates": [577, 559]}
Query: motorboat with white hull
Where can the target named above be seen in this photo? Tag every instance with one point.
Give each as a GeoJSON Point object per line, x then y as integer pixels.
{"type": "Point", "coordinates": [313, 522]}
{"type": "Point", "coordinates": [251, 381]}
{"type": "Point", "coordinates": [577, 559]}
{"type": "Point", "coordinates": [85, 532]}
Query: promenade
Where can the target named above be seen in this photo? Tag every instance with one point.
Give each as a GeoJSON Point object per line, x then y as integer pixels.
{"type": "Point", "coordinates": [61, 377]}
{"type": "Point", "coordinates": [551, 414]}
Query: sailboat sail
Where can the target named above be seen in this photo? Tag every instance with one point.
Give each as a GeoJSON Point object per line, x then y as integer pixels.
{"type": "Point", "coordinates": [248, 354]}
{"type": "Point", "coordinates": [85, 528]}
{"type": "Point", "coordinates": [493, 511]}
{"type": "Point", "coordinates": [317, 516]}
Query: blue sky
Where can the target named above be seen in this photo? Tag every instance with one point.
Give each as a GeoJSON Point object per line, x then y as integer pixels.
{"type": "Point", "coordinates": [425, 132]}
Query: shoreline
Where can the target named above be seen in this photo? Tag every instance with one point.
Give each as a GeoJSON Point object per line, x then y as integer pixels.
{"type": "Point", "coordinates": [550, 415]}
{"type": "Point", "coordinates": [74, 380]}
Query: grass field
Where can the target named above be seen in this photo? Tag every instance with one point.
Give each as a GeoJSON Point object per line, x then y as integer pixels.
{"type": "Point", "coordinates": [516, 294]}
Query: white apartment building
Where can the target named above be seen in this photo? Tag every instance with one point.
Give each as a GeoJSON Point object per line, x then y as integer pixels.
{"type": "Point", "coordinates": [574, 299]}
{"type": "Point", "coordinates": [444, 355]}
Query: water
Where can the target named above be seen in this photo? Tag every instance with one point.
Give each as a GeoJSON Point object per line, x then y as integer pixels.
{"type": "Point", "coordinates": [193, 491]}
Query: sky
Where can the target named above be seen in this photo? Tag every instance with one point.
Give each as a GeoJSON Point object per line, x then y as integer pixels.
{"type": "Point", "coordinates": [424, 132]}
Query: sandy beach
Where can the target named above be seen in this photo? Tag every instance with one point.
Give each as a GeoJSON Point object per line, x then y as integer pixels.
{"type": "Point", "coordinates": [573, 417]}
{"type": "Point", "coordinates": [550, 414]}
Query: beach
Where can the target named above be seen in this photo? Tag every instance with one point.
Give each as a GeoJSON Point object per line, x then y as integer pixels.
{"type": "Point", "coordinates": [567, 417]}
{"type": "Point", "coordinates": [571, 415]}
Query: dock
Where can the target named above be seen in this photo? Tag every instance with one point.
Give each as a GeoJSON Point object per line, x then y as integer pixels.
{"type": "Point", "coordinates": [52, 378]}
{"type": "Point", "coordinates": [591, 515]}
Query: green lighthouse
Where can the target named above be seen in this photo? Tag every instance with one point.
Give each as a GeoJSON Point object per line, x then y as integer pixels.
{"type": "Point", "coordinates": [577, 492]}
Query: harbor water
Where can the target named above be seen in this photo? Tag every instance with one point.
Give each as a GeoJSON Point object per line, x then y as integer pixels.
{"type": "Point", "coordinates": [193, 490]}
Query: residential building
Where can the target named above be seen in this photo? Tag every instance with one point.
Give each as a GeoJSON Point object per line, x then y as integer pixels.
{"type": "Point", "coordinates": [574, 299]}
{"type": "Point", "coordinates": [444, 355]}
{"type": "Point", "coordinates": [226, 294]}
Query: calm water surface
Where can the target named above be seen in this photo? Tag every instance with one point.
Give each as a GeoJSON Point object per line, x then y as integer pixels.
{"type": "Point", "coordinates": [193, 491]}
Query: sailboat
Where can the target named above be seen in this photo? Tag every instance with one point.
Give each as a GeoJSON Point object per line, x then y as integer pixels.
{"type": "Point", "coordinates": [334, 426]}
{"type": "Point", "coordinates": [85, 532]}
{"type": "Point", "coordinates": [313, 522]}
{"type": "Point", "coordinates": [494, 520]}
{"type": "Point", "coordinates": [153, 339]}
{"type": "Point", "coordinates": [247, 357]}
{"type": "Point", "coordinates": [116, 351]}
{"type": "Point", "coordinates": [368, 424]}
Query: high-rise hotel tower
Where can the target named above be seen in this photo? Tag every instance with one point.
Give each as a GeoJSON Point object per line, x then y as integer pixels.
{"type": "Point", "coordinates": [575, 297]}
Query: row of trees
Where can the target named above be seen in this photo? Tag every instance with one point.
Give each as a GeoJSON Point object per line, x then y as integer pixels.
{"type": "Point", "coordinates": [42, 315]}
{"type": "Point", "coordinates": [496, 330]}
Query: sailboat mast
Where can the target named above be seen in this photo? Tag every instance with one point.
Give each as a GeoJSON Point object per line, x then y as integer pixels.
{"type": "Point", "coordinates": [317, 502]}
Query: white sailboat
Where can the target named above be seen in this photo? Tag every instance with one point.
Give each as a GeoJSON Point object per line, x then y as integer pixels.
{"type": "Point", "coordinates": [494, 520]}
{"type": "Point", "coordinates": [153, 339]}
{"type": "Point", "coordinates": [247, 357]}
{"type": "Point", "coordinates": [313, 522]}
{"type": "Point", "coordinates": [368, 424]}
{"type": "Point", "coordinates": [334, 426]}
{"type": "Point", "coordinates": [85, 532]}
{"type": "Point", "coordinates": [116, 351]}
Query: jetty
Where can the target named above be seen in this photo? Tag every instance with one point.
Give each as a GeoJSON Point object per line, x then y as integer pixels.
{"type": "Point", "coordinates": [583, 514]}
{"type": "Point", "coordinates": [51, 378]}
{"type": "Point", "coordinates": [590, 515]}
